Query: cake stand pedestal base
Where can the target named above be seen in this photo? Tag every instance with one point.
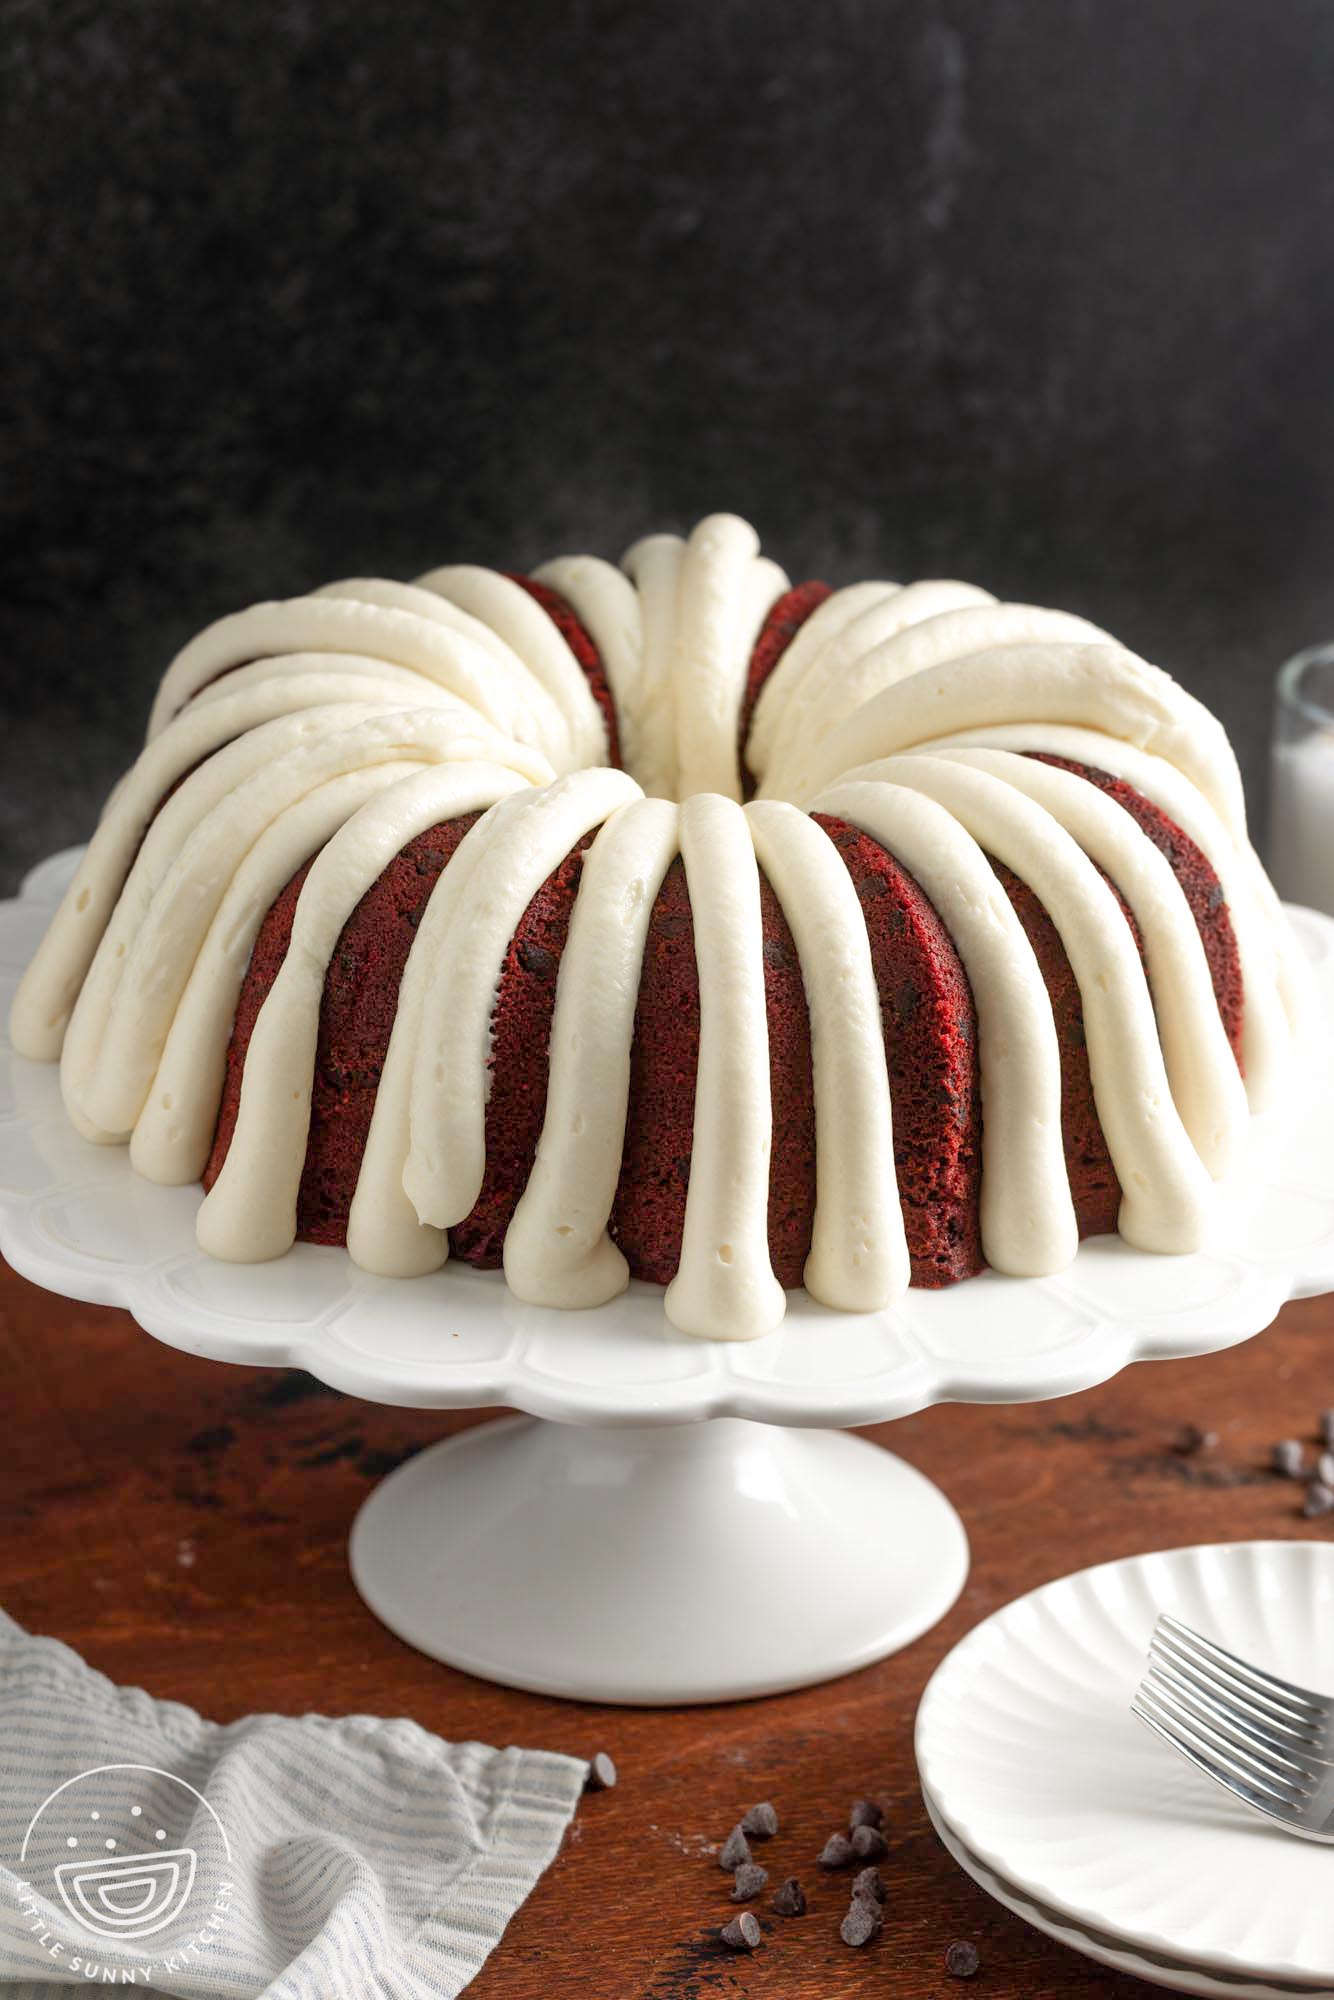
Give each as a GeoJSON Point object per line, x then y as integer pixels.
{"type": "Point", "coordinates": [656, 1565]}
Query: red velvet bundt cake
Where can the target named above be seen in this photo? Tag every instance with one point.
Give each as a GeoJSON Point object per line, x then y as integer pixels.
{"type": "Point", "coordinates": [674, 922]}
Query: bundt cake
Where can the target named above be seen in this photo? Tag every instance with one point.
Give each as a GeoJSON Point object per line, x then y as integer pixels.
{"type": "Point", "coordinates": [670, 921]}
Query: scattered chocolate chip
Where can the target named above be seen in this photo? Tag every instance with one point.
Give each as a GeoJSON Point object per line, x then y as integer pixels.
{"type": "Point", "coordinates": [836, 1852]}
{"type": "Point", "coordinates": [761, 1822]}
{"type": "Point", "coordinates": [790, 1900]}
{"type": "Point", "coordinates": [869, 1844]}
{"type": "Point", "coordinates": [862, 1922]}
{"type": "Point", "coordinates": [750, 1879]}
{"type": "Point", "coordinates": [1324, 1468]}
{"type": "Point", "coordinates": [601, 1774]}
{"type": "Point", "coordinates": [1319, 1500]}
{"type": "Point", "coordinates": [1327, 1427]}
{"type": "Point", "coordinates": [870, 1883]}
{"type": "Point", "coordinates": [864, 1813]}
{"type": "Point", "coordinates": [743, 1933]}
{"type": "Point", "coordinates": [735, 1850]}
{"type": "Point", "coordinates": [962, 1959]}
{"type": "Point", "coordinates": [1190, 1439]}
{"type": "Point", "coordinates": [1288, 1457]}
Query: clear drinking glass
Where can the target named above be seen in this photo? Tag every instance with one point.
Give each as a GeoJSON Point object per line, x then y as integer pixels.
{"type": "Point", "coordinates": [1301, 801]}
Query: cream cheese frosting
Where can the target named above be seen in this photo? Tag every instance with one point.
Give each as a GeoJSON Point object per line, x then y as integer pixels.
{"type": "Point", "coordinates": [340, 724]}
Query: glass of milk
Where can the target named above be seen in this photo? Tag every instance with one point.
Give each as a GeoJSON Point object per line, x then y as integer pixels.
{"type": "Point", "coordinates": [1301, 802]}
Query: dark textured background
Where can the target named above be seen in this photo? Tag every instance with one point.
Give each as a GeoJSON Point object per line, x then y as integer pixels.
{"type": "Point", "coordinates": [1039, 293]}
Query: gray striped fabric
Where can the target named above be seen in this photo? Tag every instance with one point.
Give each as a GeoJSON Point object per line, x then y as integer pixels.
{"type": "Point", "coordinates": [321, 1859]}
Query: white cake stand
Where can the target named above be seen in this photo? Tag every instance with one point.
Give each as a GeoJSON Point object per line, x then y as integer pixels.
{"type": "Point", "coordinates": [672, 1520]}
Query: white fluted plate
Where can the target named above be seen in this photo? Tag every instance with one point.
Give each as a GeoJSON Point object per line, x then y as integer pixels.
{"type": "Point", "coordinates": [1031, 1758]}
{"type": "Point", "coordinates": [77, 1219]}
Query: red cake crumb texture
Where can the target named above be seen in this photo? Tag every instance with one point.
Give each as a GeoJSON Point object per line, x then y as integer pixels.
{"type": "Point", "coordinates": [580, 642]}
{"type": "Point", "coordinates": [780, 628]}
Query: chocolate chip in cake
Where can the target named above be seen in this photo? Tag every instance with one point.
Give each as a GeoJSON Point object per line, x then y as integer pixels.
{"type": "Point", "coordinates": [864, 1813]}
{"type": "Point", "coordinates": [1288, 1458]}
{"type": "Point", "coordinates": [790, 1900]}
{"type": "Point", "coordinates": [1190, 1440]}
{"type": "Point", "coordinates": [601, 1774]}
{"type": "Point", "coordinates": [743, 1933]}
{"type": "Point", "coordinates": [869, 1844]}
{"type": "Point", "coordinates": [761, 1822]}
{"type": "Point", "coordinates": [734, 1851]}
{"type": "Point", "coordinates": [836, 1852]}
{"type": "Point", "coordinates": [962, 1959]}
{"type": "Point", "coordinates": [1319, 1500]}
{"type": "Point", "coordinates": [1327, 1427]}
{"type": "Point", "coordinates": [870, 1882]}
{"type": "Point", "coordinates": [862, 1922]}
{"type": "Point", "coordinates": [750, 1879]}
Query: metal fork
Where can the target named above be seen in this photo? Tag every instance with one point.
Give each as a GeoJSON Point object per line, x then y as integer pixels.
{"type": "Point", "coordinates": [1269, 1743]}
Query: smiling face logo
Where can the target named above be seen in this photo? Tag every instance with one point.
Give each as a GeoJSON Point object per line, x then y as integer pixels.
{"type": "Point", "coordinates": [107, 1838]}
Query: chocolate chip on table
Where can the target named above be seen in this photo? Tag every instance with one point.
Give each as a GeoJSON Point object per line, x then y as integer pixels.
{"type": "Point", "coordinates": [962, 1959]}
{"type": "Point", "coordinates": [870, 1882]}
{"type": "Point", "coordinates": [869, 1844]}
{"type": "Point", "coordinates": [1288, 1458]}
{"type": "Point", "coordinates": [865, 1812]}
{"type": "Point", "coordinates": [750, 1879]}
{"type": "Point", "coordinates": [862, 1922]}
{"type": "Point", "coordinates": [1191, 1439]}
{"type": "Point", "coordinates": [836, 1852]}
{"type": "Point", "coordinates": [743, 1933]}
{"type": "Point", "coordinates": [601, 1774]}
{"type": "Point", "coordinates": [735, 1849]}
{"type": "Point", "coordinates": [761, 1822]}
{"type": "Point", "coordinates": [790, 1900]}
{"type": "Point", "coordinates": [1319, 1500]}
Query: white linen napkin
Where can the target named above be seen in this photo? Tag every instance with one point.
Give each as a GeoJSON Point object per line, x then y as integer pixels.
{"type": "Point", "coordinates": [293, 1857]}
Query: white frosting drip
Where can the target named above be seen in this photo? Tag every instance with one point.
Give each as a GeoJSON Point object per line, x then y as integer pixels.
{"type": "Point", "coordinates": [1165, 1197]}
{"type": "Point", "coordinates": [859, 1253]}
{"type": "Point", "coordinates": [1206, 1084]}
{"type": "Point", "coordinates": [824, 626]}
{"type": "Point", "coordinates": [725, 1286]}
{"type": "Point", "coordinates": [1028, 1218]}
{"type": "Point", "coordinates": [507, 609]}
{"type": "Point", "coordinates": [557, 1250]}
{"type": "Point", "coordinates": [342, 723]}
{"type": "Point", "coordinates": [1262, 935]}
{"type": "Point", "coordinates": [852, 666]}
{"type": "Point", "coordinates": [825, 701]}
{"type": "Point", "coordinates": [451, 1071]}
{"type": "Point", "coordinates": [606, 604]}
{"type": "Point", "coordinates": [249, 1214]}
{"type": "Point", "coordinates": [174, 1134]}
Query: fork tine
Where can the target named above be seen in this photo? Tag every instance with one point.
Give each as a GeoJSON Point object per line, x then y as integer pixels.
{"type": "Point", "coordinates": [1304, 1727]}
{"type": "Point", "coordinates": [1244, 1763]}
{"type": "Point", "coordinates": [1261, 1750]}
{"type": "Point", "coordinates": [1285, 1693]}
{"type": "Point", "coordinates": [1211, 1682]}
{"type": "Point", "coordinates": [1190, 1747]}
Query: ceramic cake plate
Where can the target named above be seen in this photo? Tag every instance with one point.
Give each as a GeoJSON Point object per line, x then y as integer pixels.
{"type": "Point", "coordinates": [643, 1532]}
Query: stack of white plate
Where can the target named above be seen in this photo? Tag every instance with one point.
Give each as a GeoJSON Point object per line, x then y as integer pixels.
{"type": "Point", "coordinates": [1060, 1804]}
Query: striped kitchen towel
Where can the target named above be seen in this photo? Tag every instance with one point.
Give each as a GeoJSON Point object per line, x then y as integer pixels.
{"type": "Point", "coordinates": [295, 1857]}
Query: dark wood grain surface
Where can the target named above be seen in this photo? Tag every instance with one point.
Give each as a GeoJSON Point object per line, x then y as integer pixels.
{"type": "Point", "coordinates": [184, 1525]}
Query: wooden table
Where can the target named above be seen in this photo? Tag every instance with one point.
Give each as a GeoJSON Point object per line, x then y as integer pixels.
{"type": "Point", "coordinates": [184, 1526]}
